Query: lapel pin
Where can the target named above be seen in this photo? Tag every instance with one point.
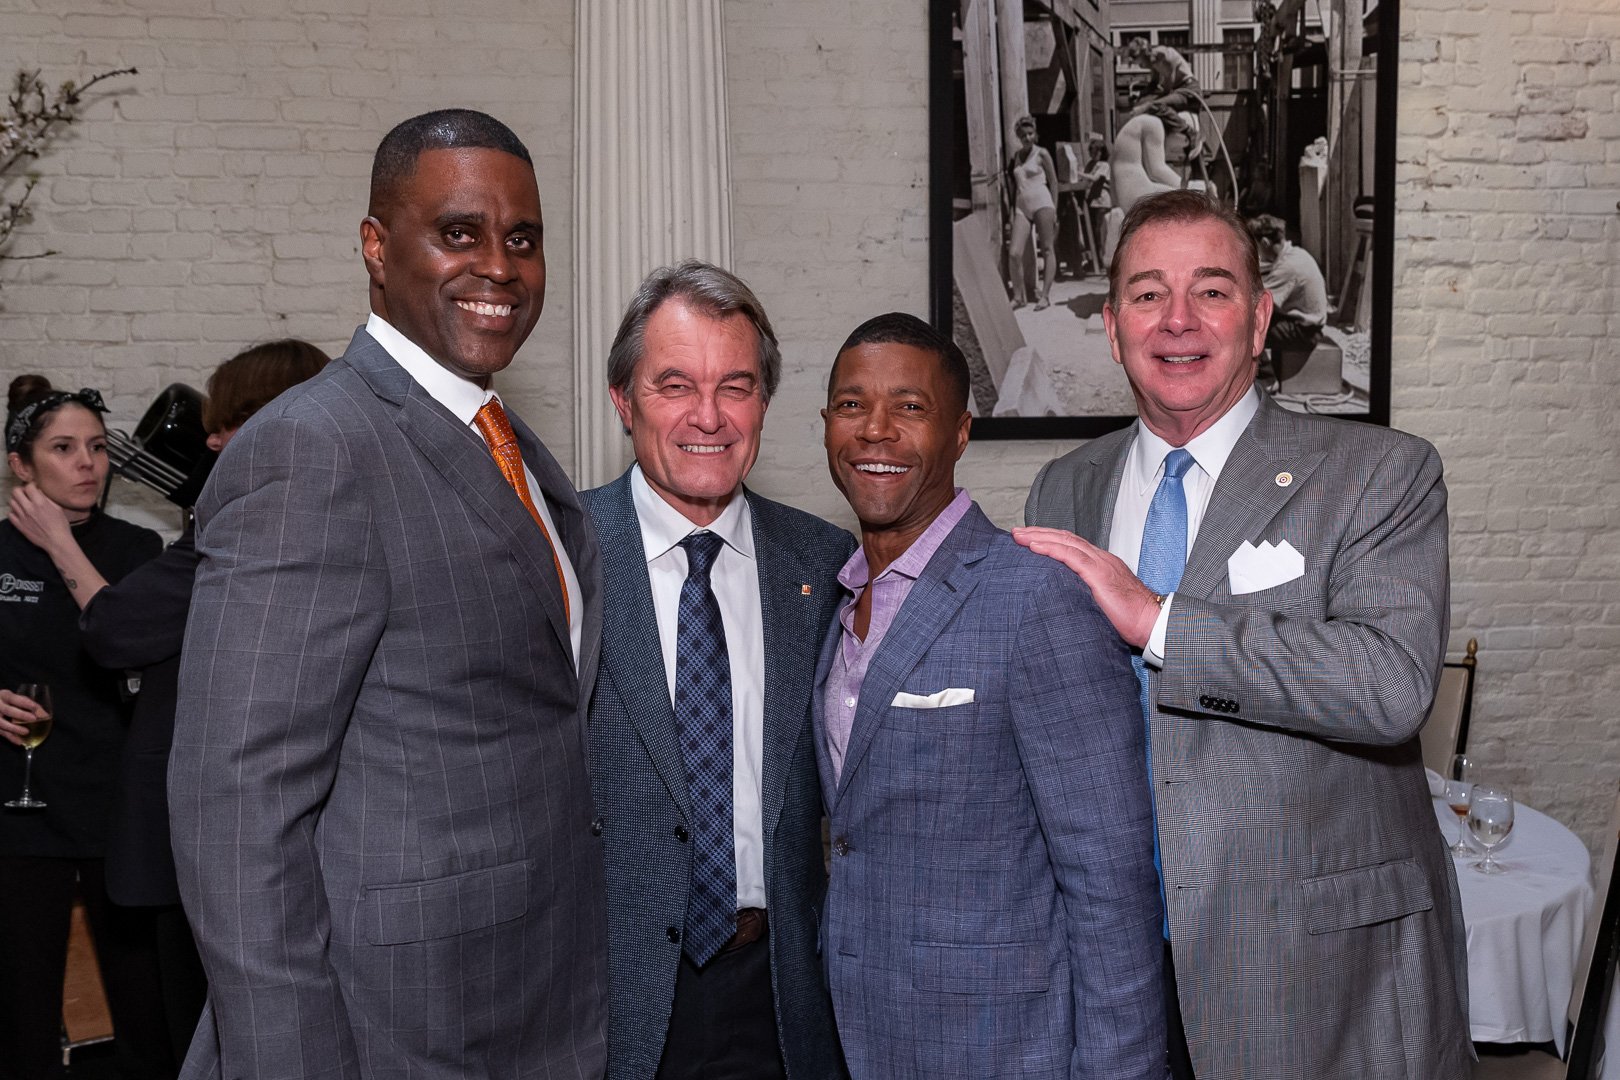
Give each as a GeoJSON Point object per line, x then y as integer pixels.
{"type": "Point", "coordinates": [804, 590]}
{"type": "Point", "coordinates": [1284, 479]}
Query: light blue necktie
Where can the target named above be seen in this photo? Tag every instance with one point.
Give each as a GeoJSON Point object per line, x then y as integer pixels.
{"type": "Point", "coordinates": [1159, 567]}
{"type": "Point", "coordinates": [703, 719]}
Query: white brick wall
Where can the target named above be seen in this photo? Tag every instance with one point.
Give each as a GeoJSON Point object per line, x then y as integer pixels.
{"type": "Point", "coordinates": [214, 200]}
{"type": "Point", "coordinates": [1506, 242]}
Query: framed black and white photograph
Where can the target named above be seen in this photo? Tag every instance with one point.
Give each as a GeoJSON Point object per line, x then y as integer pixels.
{"type": "Point", "coordinates": [1050, 118]}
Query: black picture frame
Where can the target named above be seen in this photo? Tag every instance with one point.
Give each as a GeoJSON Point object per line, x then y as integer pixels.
{"type": "Point", "coordinates": [1361, 306]}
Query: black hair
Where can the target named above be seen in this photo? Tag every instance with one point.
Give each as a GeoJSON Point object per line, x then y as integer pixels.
{"type": "Point", "coordinates": [899, 328]}
{"type": "Point", "coordinates": [443, 129]}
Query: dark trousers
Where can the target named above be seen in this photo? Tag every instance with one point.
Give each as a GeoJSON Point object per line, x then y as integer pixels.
{"type": "Point", "coordinates": [180, 970]}
{"type": "Point", "coordinates": [36, 895]}
{"type": "Point", "coordinates": [723, 1024]}
{"type": "Point", "coordinates": [1180, 1060]}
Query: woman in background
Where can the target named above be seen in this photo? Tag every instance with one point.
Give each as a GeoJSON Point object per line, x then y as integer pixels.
{"type": "Point", "coordinates": [56, 548]}
{"type": "Point", "coordinates": [139, 624]}
{"type": "Point", "coordinates": [1035, 195]}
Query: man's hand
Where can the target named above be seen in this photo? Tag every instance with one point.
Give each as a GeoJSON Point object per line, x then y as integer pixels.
{"type": "Point", "coordinates": [15, 707]}
{"type": "Point", "coordinates": [1127, 603]}
{"type": "Point", "coordinates": [41, 521]}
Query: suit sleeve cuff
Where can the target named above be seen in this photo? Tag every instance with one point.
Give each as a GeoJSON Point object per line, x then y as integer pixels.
{"type": "Point", "coordinates": [1154, 653]}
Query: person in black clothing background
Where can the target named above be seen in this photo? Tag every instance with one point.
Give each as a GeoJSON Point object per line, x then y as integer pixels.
{"type": "Point", "coordinates": [139, 624]}
{"type": "Point", "coordinates": [56, 446]}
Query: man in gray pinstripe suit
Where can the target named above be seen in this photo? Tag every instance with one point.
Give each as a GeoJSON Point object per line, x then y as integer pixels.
{"type": "Point", "coordinates": [380, 808]}
{"type": "Point", "coordinates": [1312, 907]}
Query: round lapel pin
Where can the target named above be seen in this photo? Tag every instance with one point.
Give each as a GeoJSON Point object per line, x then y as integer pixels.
{"type": "Point", "coordinates": [1284, 479]}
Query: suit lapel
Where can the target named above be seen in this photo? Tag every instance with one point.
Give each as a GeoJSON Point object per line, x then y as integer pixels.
{"type": "Point", "coordinates": [1247, 496]}
{"type": "Point", "coordinates": [930, 606]}
{"type": "Point", "coordinates": [1096, 487]}
{"type": "Point", "coordinates": [791, 636]}
{"type": "Point", "coordinates": [632, 654]}
{"type": "Point", "coordinates": [577, 540]}
{"type": "Point", "coordinates": [830, 641]}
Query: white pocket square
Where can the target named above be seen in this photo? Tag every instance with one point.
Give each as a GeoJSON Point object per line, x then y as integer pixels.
{"type": "Point", "coordinates": [1251, 568]}
{"type": "Point", "coordinates": [940, 699]}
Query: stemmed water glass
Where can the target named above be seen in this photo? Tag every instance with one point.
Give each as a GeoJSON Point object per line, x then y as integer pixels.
{"type": "Point", "coordinates": [1490, 819]}
{"type": "Point", "coordinates": [37, 728]}
{"type": "Point", "coordinates": [1459, 792]}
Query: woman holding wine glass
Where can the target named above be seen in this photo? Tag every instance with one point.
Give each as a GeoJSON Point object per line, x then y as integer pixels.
{"type": "Point", "coordinates": [56, 447]}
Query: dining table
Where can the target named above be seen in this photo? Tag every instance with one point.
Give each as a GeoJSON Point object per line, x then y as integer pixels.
{"type": "Point", "coordinates": [1524, 927]}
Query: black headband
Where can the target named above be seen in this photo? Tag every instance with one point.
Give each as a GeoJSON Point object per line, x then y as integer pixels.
{"type": "Point", "coordinates": [90, 399]}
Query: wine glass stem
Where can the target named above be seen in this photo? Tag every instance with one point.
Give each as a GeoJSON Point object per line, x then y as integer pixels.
{"type": "Point", "coordinates": [28, 769]}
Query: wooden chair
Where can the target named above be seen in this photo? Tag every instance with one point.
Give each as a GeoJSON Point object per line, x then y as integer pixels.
{"type": "Point", "coordinates": [1588, 999]}
{"type": "Point", "coordinates": [1445, 732]}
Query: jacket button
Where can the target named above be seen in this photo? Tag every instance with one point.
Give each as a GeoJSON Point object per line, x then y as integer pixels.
{"type": "Point", "coordinates": [841, 845]}
{"type": "Point", "coordinates": [1203, 699]}
{"type": "Point", "coordinates": [681, 834]}
{"type": "Point", "coordinates": [596, 827]}
{"type": "Point", "coordinates": [674, 936]}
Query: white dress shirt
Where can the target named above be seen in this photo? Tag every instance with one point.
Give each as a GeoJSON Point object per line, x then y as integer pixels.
{"type": "Point", "coordinates": [1144, 468]}
{"type": "Point", "coordinates": [464, 398]}
{"type": "Point", "coordinates": [735, 581]}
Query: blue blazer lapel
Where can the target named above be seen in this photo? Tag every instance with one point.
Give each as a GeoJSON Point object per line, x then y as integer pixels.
{"type": "Point", "coordinates": [630, 637]}
{"type": "Point", "coordinates": [791, 636]}
{"type": "Point", "coordinates": [933, 602]}
{"type": "Point", "coordinates": [1247, 496]}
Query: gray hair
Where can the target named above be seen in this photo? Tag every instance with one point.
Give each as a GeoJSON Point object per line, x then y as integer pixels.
{"type": "Point", "coordinates": [705, 288]}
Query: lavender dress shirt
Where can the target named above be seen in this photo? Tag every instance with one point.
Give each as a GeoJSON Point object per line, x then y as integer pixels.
{"type": "Point", "coordinates": [889, 591]}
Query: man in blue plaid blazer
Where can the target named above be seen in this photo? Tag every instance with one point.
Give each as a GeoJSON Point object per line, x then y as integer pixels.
{"type": "Point", "coordinates": [992, 910]}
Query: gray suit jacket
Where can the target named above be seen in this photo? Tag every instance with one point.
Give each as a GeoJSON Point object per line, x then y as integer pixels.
{"type": "Point", "coordinates": [381, 812]}
{"type": "Point", "coordinates": [639, 779]}
{"type": "Point", "coordinates": [992, 911]}
{"type": "Point", "coordinates": [1313, 907]}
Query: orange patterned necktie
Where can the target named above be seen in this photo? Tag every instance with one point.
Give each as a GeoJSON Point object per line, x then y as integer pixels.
{"type": "Point", "coordinates": [497, 431]}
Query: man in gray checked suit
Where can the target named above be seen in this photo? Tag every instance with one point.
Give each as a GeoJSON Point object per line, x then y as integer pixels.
{"type": "Point", "coordinates": [1284, 577]}
{"type": "Point", "coordinates": [715, 869]}
{"type": "Point", "coordinates": [992, 911]}
{"type": "Point", "coordinates": [380, 802]}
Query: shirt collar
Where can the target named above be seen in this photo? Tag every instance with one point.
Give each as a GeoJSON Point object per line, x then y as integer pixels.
{"type": "Point", "coordinates": [461, 396]}
{"type": "Point", "coordinates": [1210, 448]}
{"type": "Point", "coordinates": [663, 526]}
{"type": "Point", "coordinates": [856, 574]}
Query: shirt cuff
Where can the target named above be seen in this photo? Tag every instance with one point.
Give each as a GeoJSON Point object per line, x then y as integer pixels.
{"type": "Point", "coordinates": [1153, 655]}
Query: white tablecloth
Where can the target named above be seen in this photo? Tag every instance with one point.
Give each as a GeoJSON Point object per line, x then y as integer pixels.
{"type": "Point", "coordinates": [1524, 928]}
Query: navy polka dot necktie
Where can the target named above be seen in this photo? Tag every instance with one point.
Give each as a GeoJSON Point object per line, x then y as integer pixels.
{"type": "Point", "coordinates": [703, 718]}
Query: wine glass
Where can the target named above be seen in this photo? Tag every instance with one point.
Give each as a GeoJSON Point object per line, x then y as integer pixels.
{"type": "Point", "coordinates": [38, 729]}
{"type": "Point", "coordinates": [1490, 819]}
{"type": "Point", "coordinates": [1459, 792]}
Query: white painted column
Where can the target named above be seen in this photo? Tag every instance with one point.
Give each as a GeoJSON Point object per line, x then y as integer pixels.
{"type": "Point", "coordinates": [651, 181]}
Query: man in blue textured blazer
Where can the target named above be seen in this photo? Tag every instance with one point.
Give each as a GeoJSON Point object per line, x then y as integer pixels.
{"type": "Point", "coordinates": [992, 910]}
{"type": "Point", "coordinates": [702, 763]}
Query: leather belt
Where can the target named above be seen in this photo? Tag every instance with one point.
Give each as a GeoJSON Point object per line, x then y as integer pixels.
{"type": "Point", "coordinates": [751, 926]}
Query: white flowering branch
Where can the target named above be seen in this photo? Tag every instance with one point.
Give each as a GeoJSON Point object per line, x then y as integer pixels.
{"type": "Point", "coordinates": [33, 112]}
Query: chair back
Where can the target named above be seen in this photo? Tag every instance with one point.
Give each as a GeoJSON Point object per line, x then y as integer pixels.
{"type": "Point", "coordinates": [1595, 967]}
{"type": "Point", "coordinates": [1445, 732]}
